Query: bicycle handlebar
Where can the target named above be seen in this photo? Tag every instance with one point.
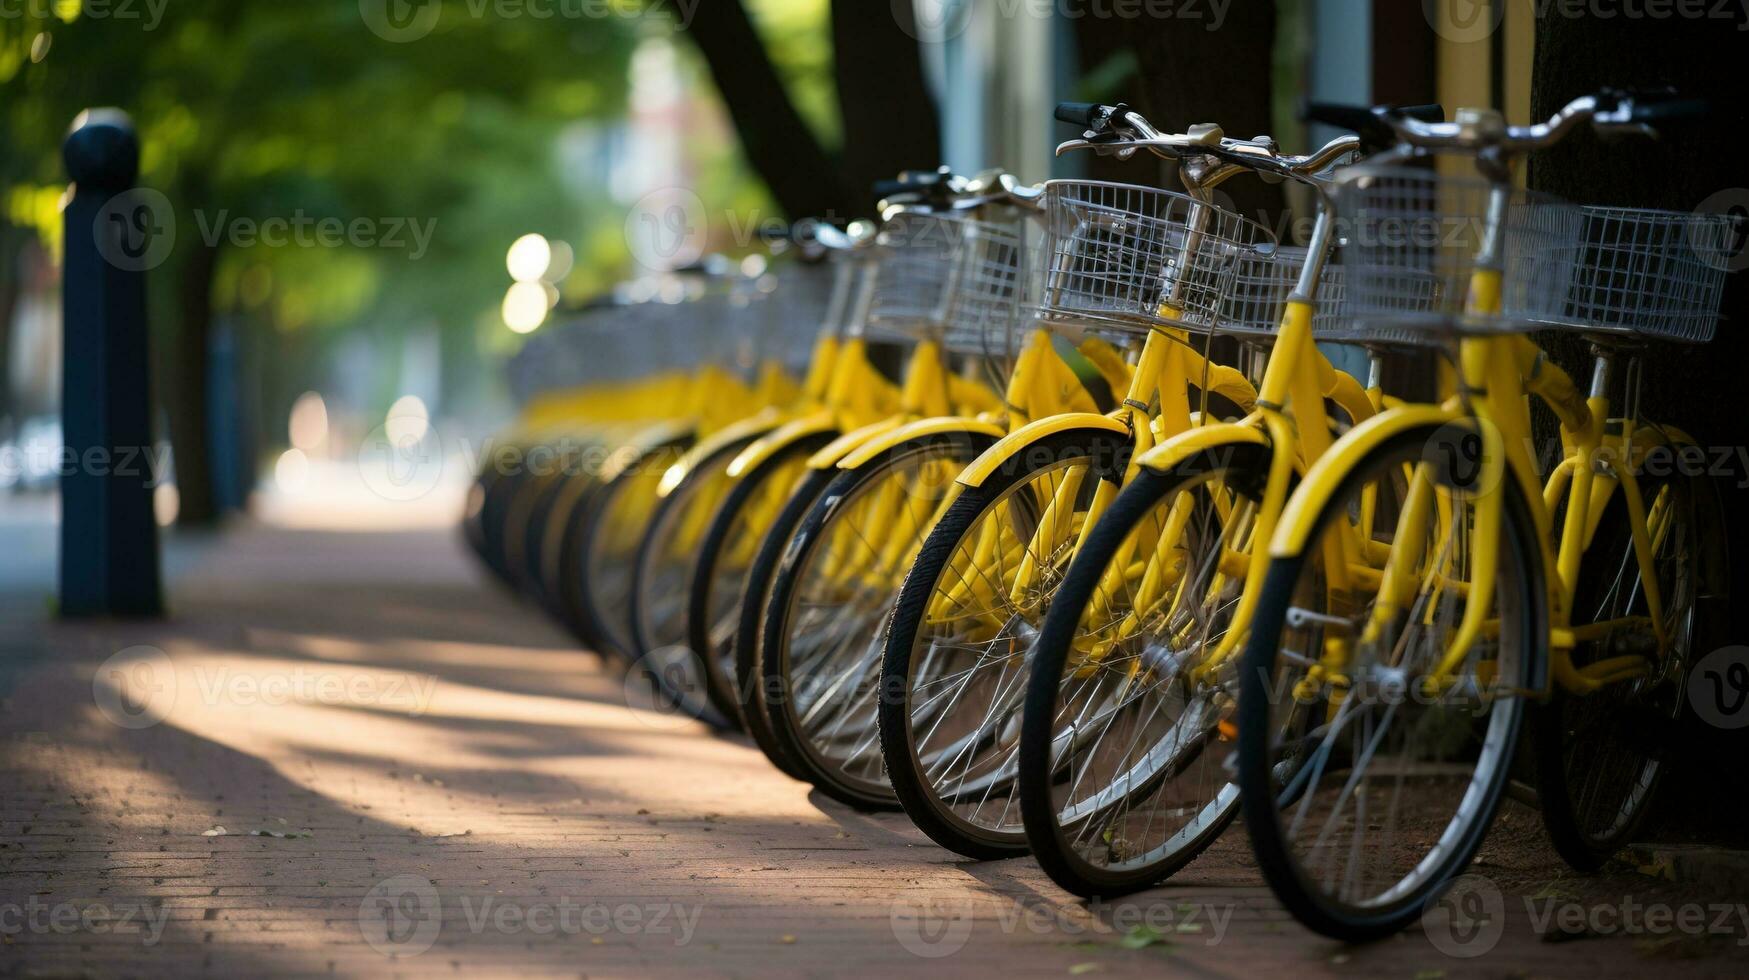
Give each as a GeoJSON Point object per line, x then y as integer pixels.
{"type": "Point", "coordinates": [1375, 133]}
{"type": "Point", "coordinates": [1206, 154]}
{"type": "Point", "coordinates": [1609, 112]}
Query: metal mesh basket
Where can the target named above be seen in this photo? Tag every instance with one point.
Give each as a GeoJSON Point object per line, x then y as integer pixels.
{"type": "Point", "coordinates": [1133, 258]}
{"type": "Point", "coordinates": [796, 299]}
{"type": "Point", "coordinates": [1657, 274]}
{"type": "Point", "coordinates": [1263, 281]}
{"type": "Point", "coordinates": [946, 277]}
{"type": "Point", "coordinates": [1410, 242]}
{"type": "Point", "coordinates": [984, 302]}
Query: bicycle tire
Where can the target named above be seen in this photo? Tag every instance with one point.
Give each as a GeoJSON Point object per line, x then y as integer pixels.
{"type": "Point", "coordinates": [1104, 450]}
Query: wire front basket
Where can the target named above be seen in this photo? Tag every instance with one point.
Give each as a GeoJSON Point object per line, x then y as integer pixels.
{"type": "Point", "coordinates": [1658, 274]}
{"type": "Point", "coordinates": [1130, 258]}
{"type": "Point", "coordinates": [947, 277]}
{"type": "Point", "coordinates": [1411, 239]}
{"type": "Point", "coordinates": [1263, 281]}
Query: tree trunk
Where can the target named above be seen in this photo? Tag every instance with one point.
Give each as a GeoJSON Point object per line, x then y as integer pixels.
{"type": "Point", "coordinates": [1194, 75]}
{"type": "Point", "coordinates": [1684, 386]}
{"type": "Point", "coordinates": [186, 363]}
{"type": "Point", "coordinates": [890, 120]}
{"type": "Point", "coordinates": [778, 144]}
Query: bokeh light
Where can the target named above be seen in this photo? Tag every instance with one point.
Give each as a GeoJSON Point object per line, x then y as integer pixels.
{"type": "Point", "coordinates": [309, 422]}
{"type": "Point", "coordinates": [525, 306]}
{"type": "Point", "coordinates": [408, 422]}
{"type": "Point", "coordinates": [529, 258]}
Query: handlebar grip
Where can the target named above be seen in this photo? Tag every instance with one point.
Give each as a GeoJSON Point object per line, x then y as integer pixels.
{"type": "Point", "coordinates": [884, 189]}
{"type": "Point", "coordinates": [1670, 110]}
{"type": "Point", "coordinates": [1374, 132]}
{"type": "Point", "coordinates": [1084, 114]}
{"type": "Point", "coordinates": [1431, 113]}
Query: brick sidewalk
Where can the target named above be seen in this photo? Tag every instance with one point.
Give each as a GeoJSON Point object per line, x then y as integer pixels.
{"type": "Point", "coordinates": [444, 786]}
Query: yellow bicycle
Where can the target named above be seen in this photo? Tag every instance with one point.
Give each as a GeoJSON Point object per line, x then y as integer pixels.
{"type": "Point", "coordinates": [1378, 716]}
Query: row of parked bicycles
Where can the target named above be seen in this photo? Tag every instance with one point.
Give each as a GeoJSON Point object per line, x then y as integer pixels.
{"type": "Point", "coordinates": [1042, 513]}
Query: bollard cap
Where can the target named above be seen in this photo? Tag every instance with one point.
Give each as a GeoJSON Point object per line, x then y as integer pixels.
{"type": "Point", "coordinates": [102, 150]}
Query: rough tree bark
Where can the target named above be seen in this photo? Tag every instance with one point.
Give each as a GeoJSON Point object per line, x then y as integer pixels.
{"type": "Point", "coordinates": [778, 144]}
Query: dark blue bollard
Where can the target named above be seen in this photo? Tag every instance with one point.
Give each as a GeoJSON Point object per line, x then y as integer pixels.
{"type": "Point", "coordinates": [109, 538]}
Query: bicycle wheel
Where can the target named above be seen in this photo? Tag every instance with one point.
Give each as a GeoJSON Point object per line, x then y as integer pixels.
{"type": "Point", "coordinates": [1368, 782]}
{"type": "Point", "coordinates": [830, 603]}
{"type": "Point", "coordinates": [1127, 734]}
{"type": "Point", "coordinates": [559, 541]}
{"type": "Point", "coordinates": [725, 560]}
{"type": "Point", "coordinates": [498, 488]}
{"type": "Point", "coordinates": [955, 661]}
{"type": "Point", "coordinates": [749, 687]}
{"type": "Point", "coordinates": [664, 566]}
{"type": "Point", "coordinates": [1600, 756]}
{"type": "Point", "coordinates": [610, 530]}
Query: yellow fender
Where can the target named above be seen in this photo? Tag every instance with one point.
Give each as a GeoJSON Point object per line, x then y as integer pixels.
{"type": "Point", "coordinates": [1021, 439]}
{"type": "Point", "coordinates": [828, 457]}
{"type": "Point", "coordinates": [1325, 476]}
{"type": "Point", "coordinates": [768, 445]}
{"type": "Point", "coordinates": [712, 444]}
{"type": "Point", "coordinates": [643, 441]}
{"type": "Point", "coordinates": [916, 430]}
{"type": "Point", "coordinates": [1192, 441]}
